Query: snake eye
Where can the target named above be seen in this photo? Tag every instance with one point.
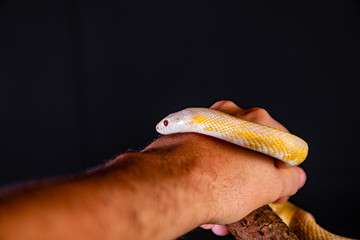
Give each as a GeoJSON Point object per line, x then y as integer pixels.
{"type": "Point", "coordinates": [166, 122]}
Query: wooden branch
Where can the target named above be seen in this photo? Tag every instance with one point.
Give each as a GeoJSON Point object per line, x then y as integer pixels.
{"type": "Point", "coordinates": [263, 223]}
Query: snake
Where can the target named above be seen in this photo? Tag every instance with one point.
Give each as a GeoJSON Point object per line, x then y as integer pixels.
{"type": "Point", "coordinates": [264, 139]}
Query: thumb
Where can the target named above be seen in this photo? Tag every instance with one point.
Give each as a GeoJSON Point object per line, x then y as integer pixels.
{"type": "Point", "coordinates": [292, 180]}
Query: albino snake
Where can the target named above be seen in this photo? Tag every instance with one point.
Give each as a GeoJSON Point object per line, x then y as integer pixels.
{"type": "Point", "coordinates": [278, 144]}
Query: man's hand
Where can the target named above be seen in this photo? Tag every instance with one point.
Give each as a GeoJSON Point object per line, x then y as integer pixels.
{"type": "Point", "coordinates": [177, 183]}
{"type": "Point", "coordinates": [260, 116]}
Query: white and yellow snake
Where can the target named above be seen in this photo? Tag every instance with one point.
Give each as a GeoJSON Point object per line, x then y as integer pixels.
{"type": "Point", "coordinates": [273, 142]}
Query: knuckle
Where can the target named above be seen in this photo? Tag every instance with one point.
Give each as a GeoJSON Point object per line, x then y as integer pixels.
{"type": "Point", "coordinates": [224, 103]}
{"type": "Point", "coordinates": [257, 111]}
{"type": "Point", "coordinates": [257, 114]}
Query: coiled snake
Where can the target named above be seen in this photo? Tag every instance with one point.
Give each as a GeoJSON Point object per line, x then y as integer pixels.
{"type": "Point", "coordinates": [278, 144]}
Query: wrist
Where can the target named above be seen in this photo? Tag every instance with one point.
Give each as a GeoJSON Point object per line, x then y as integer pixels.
{"type": "Point", "coordinates": [167, 188]}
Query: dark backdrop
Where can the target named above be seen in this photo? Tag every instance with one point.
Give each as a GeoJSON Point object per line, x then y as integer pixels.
{"type": "Point", "coordinates": [83, 81]}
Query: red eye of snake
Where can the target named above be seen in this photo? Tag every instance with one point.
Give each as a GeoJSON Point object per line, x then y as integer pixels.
{"type": "Point", "coordinates": [166, 122]}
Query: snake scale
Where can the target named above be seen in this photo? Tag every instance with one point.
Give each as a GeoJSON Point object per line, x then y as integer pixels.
{"type": "Point", "coordinates": [273, 142]}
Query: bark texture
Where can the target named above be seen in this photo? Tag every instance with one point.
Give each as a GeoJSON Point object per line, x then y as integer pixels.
{"type": "Point", "coordinates": [263, 223]}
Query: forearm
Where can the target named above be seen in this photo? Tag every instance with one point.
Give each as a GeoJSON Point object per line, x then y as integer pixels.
{"type": "Point", "coordinates": [140, 195]}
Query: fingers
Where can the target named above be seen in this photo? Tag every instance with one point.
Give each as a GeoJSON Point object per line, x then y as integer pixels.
{"type": "Point", "coordinates": [228, 107]}
{"type": "Point", "coordinates": [207, 226]}
{"type": "Point", "coordinates": [282, 180]}
{"type": "Point", "coordinates": [257, 115]}
{"type": "Point", "coordinates": [292, 178]}
{"type": "Point", "coordinates": [219, 230]}
{"type": "Point", "coordinates": [282, 200]}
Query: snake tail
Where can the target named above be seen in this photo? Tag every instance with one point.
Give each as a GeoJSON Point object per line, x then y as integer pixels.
{"type": "Point", "coordinates": [303, 223]}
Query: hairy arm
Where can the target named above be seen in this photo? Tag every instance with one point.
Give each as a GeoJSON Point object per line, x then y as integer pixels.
{"type": "Point", "coordinates": [177, 183]}
{"type": "Point", "coordinates": [137, 195]}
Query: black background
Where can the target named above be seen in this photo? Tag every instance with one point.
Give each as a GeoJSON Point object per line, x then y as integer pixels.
{"type": "Point", "coordinates": [83, 81]}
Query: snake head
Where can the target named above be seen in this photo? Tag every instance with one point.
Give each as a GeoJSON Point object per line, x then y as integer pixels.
{"type": "Point", "coordinates": [174, 122]}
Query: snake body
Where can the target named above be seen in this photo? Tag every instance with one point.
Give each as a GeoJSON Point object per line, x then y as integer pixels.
{"type": "Point", "coordinates": [270, 141]}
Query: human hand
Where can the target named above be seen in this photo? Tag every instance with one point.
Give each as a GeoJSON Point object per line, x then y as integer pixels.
{"type": "Point", "coordinates": [178, 182]}
{"type": "Point", "coordinates": [262, 117]}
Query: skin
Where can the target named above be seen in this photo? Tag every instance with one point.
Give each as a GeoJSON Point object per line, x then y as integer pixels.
{"type": "Point", "coordinates": [175, 184]}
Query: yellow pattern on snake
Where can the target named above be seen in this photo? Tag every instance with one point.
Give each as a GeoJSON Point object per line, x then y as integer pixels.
{"type": "Point", "coordinates": [273, 142]}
